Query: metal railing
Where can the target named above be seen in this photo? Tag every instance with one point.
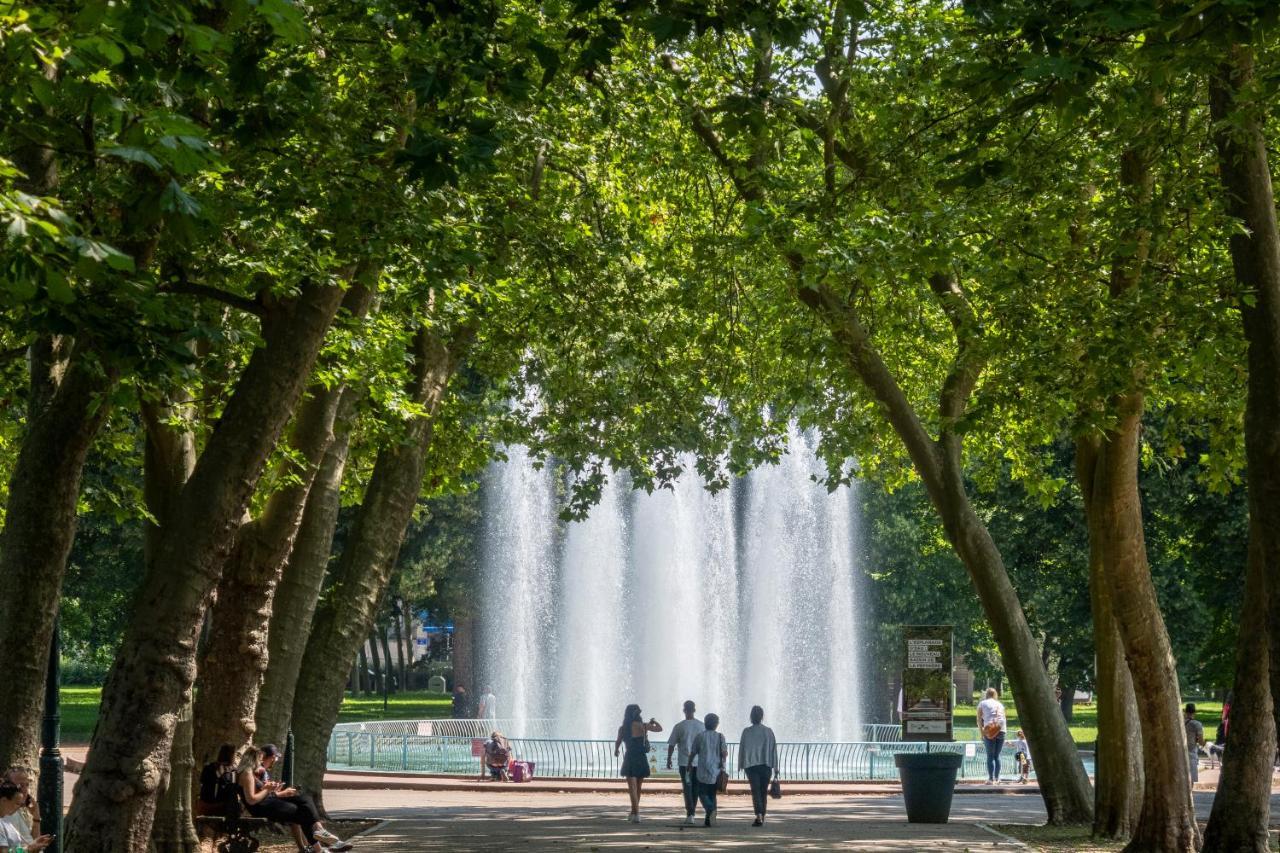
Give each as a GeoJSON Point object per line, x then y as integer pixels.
{"type": "Point", "coordinates": [452, 728]}
{"type": "Point", "coordinates": [378, 748]}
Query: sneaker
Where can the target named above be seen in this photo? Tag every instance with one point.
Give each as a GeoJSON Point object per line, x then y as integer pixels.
{"type": "Point", "coordinates": [757, 821]}
{"type": "Point", "coordinates": [689, 821]}
{"type": "Point", "coordinates": [340, 846]}
{"type": "Point", "coordinates": [325, 836]}
{"type": "Point", "coordinates": [633, 818]}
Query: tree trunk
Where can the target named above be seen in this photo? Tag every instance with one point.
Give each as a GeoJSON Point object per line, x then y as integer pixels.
{"type": "Point", "coordinates": [1240, 814]}
{"type": "Point", "coordinates": [114, 802]}
{"type": "Point", "coordinates": [235, 658]}
{"type": "Point", "coordinates": [169, 457]}
{"type": "Point", "coordinates": [1067, 706]}
{"type": "Point", "coordinates": [68, 406]}
{"type": "Point", "coordinates": [174, 830]}
{"type": "Point", "coordinates": [1167, 821]}
{"type": "Point", "coordinates": [299, 590]}
{"type": "Point", "coordinates": [1117, 780]}
{"type": "Point", "coordinates": [345, 616]}
{"type": "Point", "coordinates": [404, 632]}
{"type": "Point", "coordinates": [389, 667]}
{"type": "Point", "coordinates": [1064, 785]}
{"type": "Point", "coordinates": [362, 672]}
{"type": "Point", "coordinates": [375, 661]}
{"type": "Point", "coordinates": [463, 652]}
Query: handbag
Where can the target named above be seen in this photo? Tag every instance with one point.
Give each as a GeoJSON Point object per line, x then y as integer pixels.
{"type": "Point", "coordinates": [722, 782]}
{"type": "Point", "coordinates": [775, 787]}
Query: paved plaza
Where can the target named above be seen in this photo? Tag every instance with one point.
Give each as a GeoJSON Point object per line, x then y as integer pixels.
{"type": "Point", "coordinates": [447, 821]}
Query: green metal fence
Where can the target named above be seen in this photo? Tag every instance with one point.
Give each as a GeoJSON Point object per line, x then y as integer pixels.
{"type": "Point", "coordinates": [405, 752]}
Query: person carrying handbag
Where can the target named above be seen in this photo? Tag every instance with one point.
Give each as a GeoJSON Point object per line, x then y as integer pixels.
{"type": "Point", "coordinates": [758, 756]}
{"type": "Point", "coordinates": [711, 751]}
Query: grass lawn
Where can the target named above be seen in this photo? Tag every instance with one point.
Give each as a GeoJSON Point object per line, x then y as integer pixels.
{"type": "Point", "coordinates": [1084, 725]}
{"type": "Point", "coordinates": [80, 709]}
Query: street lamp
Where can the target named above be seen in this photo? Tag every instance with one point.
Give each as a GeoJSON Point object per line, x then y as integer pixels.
{"type": "Point", "coordinates": [50, 787]}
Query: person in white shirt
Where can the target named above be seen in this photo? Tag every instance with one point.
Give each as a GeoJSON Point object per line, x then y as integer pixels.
{"type": "Point", "coordinates": [1022, 757]}
{"type": "Point", "coordinates": [710, 750]}
{"type": "Point", "coordinates": [488, 708]}
{"type": "Point", "coordinates": [27, 817]}
{"type": "Point", "coordinates": [758, 756]}
{"type": "Point", "coordinates": [11, 836]}
{"type": "Point", "coordinates": [994, 727]}
{"type": "Point", "coordinates": [682, 737]}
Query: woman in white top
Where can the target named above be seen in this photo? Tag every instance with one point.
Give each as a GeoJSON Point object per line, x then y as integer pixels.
{"type": "Point", "coordinates": [710, 751]}
{"type": "Point", "coordinates": [11, 837]}
{"type": "Point", "coordinates": [993, 726]}
{"type": "Point", "coordinates": [758, 756]}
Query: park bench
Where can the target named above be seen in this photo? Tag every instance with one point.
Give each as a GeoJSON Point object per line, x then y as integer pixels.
{"type": "Point", "coordinates": [239, 835]}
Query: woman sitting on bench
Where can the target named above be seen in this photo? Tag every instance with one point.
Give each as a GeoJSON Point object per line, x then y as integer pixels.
{"type": "Point", "coordinates": [283, 805]}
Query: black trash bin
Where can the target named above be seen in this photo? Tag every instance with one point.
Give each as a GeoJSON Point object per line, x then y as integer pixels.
{"type": "Point", "coordinates": [928, 781]}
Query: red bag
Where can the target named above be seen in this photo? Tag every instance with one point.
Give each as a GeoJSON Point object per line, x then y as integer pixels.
{"type": "Point", "coordinates": [522, 771]}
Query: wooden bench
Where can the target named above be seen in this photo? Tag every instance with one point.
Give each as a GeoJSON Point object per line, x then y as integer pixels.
{"type": "Point", "coordinates": [238, 835]}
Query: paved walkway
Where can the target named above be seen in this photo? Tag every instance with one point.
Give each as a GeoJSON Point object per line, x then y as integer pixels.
{"type": "Point", "coordinates": [466, 822]}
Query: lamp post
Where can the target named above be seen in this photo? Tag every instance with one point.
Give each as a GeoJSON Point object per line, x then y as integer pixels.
{"type": "Point", "coordinates": [50, 787]}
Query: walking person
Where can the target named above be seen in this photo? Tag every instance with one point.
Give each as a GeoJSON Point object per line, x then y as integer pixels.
{"type": "Point", "coordinates": [1195, 740]}
{"type": "Point", "coordinates": [488, 707]}
{"type": "Point", "coordinates": [994, 727]}
{"type": "Point", "coordinates": [758, 756]}
{"type": "Point", "coordinates": [710, 751]}
{"type": "Point", "coordinates": [634, 732]}
{"type": "Point", "coordinates": [1022, 757]}
{"type": "Point", "coordinates": [683, 734]}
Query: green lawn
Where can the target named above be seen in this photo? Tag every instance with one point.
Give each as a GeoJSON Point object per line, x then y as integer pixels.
{"type": "Point", "coordinates": [1084, 725]}
{"type": "Point", "coordinates": [80, 709]}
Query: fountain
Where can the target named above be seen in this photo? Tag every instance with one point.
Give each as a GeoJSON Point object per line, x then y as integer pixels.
{"type": "Point", "coordinates": [742, 597]}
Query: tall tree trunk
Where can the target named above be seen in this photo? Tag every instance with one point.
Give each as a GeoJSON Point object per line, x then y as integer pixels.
{"type": "Point", "coordinates": [463, 653]}
{"type": "Point", "coordinates": [345, 616]}
{"type": "Point", "coordinates": [1167, 821]}
{"type": "Point", "coordinates": [1066, 704]}
{"type": "Point", "coordinates": [362, 672]}
{"type": "Point", "coordinates": [1117, 779]}
{"type": "Point", "coordinates": [299, 590]}
{"type": "Point", "coordinates": [169, 457]}
{"type": "Point", "coordinates": [404, 634]}
{"type": "Point", "coordinates": [235, 657]}
{"type": "Point", "coordinates": [67, 408]}
{"type": "Point", "coordinates": [390, 667]}
{"type": "Point", "coordinates": [375, 661]}
{"type": "Point", "coordinates": [1240, 812]}
{"type": "Point", "coordinates": [115, 798]}
{"type": "Point", "coordinates": [1064, 785]}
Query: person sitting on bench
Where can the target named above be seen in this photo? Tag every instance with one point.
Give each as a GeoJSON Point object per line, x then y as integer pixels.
{"type": "Point", "coordinates": [219, 795]}
{"type": "Point", "coordinates": [266, 798]}
{"type": "Point", "coordinates": [497, 756]}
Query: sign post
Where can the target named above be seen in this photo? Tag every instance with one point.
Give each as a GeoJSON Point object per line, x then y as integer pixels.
{"type": "Point", "coordinates": [926, 683]}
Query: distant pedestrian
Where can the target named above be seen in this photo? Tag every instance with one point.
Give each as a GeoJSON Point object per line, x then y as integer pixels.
{"type": "Point", "coordinates": [994, 727]}
{"type": "Point", "coordinates": [1022, 757]}
{"type": "Point", "coordinates": [682, 737]}
{"type": "Point", "coordinates": [758, 756]}
{"type": "Point", "coordinates": [1195, 739]}
{"type": "Point", "coordinates": [710, 751]}
{"type": "Point", "coordinates": [488, 708]}
{"type": "Point", "coordinates": [634, 732]}
{"type": "Point", "coordinates": [461, 703]}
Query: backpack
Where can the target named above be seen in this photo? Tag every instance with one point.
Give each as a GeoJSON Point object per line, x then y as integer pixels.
{"type": "Point", "coordinates": [220, 788]}
{"type": "Point", "coordinates": [499, 754]}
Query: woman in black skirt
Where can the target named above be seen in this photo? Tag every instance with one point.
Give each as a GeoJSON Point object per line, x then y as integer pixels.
{"type": "Point", "coordinates": [634, 732]}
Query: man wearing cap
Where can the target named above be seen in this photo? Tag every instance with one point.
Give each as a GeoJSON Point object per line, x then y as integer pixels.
{"type": "Point", "coordinates": [270, 755]}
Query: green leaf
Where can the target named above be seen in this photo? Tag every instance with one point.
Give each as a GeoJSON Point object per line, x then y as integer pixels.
{"type": "Point", "coordinates": [133, 155]}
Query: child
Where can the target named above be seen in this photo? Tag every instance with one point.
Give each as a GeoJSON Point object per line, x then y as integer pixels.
{"type": "Point", "coordinates": [1022, 756]}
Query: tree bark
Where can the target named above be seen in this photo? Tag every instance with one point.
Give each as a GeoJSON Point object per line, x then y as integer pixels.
{"type": "Point", "coordinates": [375, 660]}
{"type": "Point", "coordinates": [463, 652]}
{"type": "Point", "coordinates": [390, 667]}
{"type": "Point", "coordinates": [299, 590]}
{"type": "Point", "coordinates": [1167, 821]}
{"type": "Point", "coordinates": [235, 656]}
{"type": "Point", "coordinates": [362, 671]}
{"type": "Point", "coordinates": [115, 798]}
{"type": "Point", "coordinates": [67, 408]}
{"type": "Point", "coordinates": [1064, 785]}
{"type": "Point", "coordinates": [404, 636]}
{"type": "Point", "coordinates": [1117, 775]}
{"type": "Point", "coordinates": [169, 457]}
{"type": "Point", "coordinates": [345, 616]}
{"type": "Point", "coordinates": [1239, 821]}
